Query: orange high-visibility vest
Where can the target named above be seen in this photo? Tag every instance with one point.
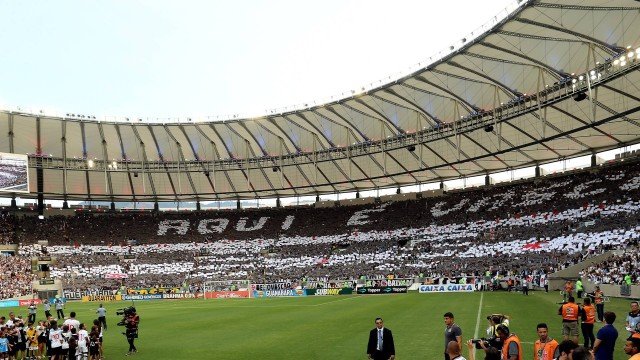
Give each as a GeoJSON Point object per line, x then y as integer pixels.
{"type": "Point", "coordinates": [590, 312]}
{"type": "Point", "coordinates": [505, 347]}
{"type": "Point", "coordinates": [570, 312]}
{"type": "Point", "coordinates": [544, 351]}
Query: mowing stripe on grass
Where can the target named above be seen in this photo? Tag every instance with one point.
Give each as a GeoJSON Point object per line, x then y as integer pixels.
{"type": "Point", "coordinates": [475, 333]}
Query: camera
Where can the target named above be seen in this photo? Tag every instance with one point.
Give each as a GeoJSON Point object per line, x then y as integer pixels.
{"type": "Point", "coordinates": [477, 343]}
{"type": "Point", "coordinates": [125, 313]}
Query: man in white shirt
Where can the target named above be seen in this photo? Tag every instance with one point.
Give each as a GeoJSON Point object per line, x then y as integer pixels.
{"type": "Point", "coordinates": [55, 336]}
{"type": "Point", "coordinates": [72, 322]}
{"type": "Point", "coordinates": [83, 343]}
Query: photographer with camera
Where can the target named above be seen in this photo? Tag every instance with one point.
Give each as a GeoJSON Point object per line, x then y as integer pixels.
{"type": "Point", "coordinates": [492, 331]}
{"type": "Point", "coordinates": [490, 353]}
{"type": "Point", "coordinates": [130, 321]}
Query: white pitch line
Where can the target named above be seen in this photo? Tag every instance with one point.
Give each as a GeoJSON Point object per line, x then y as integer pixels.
{"type": "Point", "coordinates": [475, 334]}
{"type": "Point", "coordinates": [335, 301]}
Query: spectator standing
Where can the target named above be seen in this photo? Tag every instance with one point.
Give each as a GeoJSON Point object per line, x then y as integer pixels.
{"type": "Point", "coordinates": [606, 338]}
{"type": "Point", "coordinates": [452, 332]}
{"type": "Point", "coordinates": [525, 286]}
{"type": "Point", "coordinates": [546, 284]}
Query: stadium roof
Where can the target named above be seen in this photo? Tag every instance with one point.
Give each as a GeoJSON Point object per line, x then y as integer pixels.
{"type": "Point", "coordinates": [552, 80]}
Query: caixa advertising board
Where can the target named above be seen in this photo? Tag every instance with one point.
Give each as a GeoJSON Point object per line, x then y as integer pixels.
{"type": "Point", "coordinates": [428, 289]}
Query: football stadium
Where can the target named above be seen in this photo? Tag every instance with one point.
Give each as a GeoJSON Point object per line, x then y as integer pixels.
{"type": "Point", "coordinates": [484, 204]}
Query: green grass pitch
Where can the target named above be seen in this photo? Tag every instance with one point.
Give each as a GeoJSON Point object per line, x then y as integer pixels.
{"type": "Point", "coordinates": [330, 327]}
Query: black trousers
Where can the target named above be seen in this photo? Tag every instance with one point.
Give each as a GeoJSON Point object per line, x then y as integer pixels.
{"type": "Point", "coordinates": [47, 314]}
{"type": "Point", "coordinates": [132, 347]}
{"type": "Point", "coordinates": [60, 314]}
{"type": "Point", "coordinates": [600, 310]}
{"type": "Point", "coordinates": [103, 322]}
{"type": "Point", "coordinates": [579, 294]}
{"type": "Point", "coordinates": [525, 290]}
{"type": "Point", "coordinates": [32, 318]}
{"type": "Point", "coordinates": [587, 332]}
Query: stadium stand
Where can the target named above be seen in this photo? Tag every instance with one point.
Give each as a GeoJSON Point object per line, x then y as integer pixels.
{"type": "Point", "coordinates": [541, 225]}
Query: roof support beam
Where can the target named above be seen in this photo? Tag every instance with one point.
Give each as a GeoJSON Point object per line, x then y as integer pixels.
{"type": "Point", "coordinates": [611, 48]}
{"type": "Point", "coordinates": [145, 159]}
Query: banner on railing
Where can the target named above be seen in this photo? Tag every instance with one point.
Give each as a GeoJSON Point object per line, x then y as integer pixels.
{"type": "Point", "coordinates": [382, 290]}
{"type": "Point", "coordinates": [28, 302]}
{"type": "Point", "coordinates": [426, 289]}
{"type": "Point", "coordinates": [116, 276]}
{"type": "Point", "coordinates": [101, 298]}
{"type": "Point", "coordinates": [278, 293]}
{"type": "Point", "coordinates": [388, 282]}
{"type": "Point", "coordinates": [153, 290]}
{"type": "Point", "coordinates": [77, 295]}
{"type": "Point", "coordinates": [328, 292]}
{"type": "Point", "coordinates": [142, 297]}
{"type": "Point", "coordinates": [181, 296]}
{"type": "Point", "coordinates": [226, 294]}
{"type": "Point", "coordinates": [9, 303]}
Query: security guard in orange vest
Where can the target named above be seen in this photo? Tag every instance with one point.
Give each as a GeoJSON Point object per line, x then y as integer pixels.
{"type": "Point", "coordinates": [545, 348]}
{"type": "Point", "coordinates": [511, 348]}
{"type": "Point", "coordinates": [588, 317]}
{"type": "Point", "coordinates": [598, 299]}
{"type": "Point", "coordinates": [570, 312]}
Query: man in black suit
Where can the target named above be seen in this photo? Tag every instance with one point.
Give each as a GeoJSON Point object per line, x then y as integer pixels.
{"type": "Point", "coordinates": [381, 345]}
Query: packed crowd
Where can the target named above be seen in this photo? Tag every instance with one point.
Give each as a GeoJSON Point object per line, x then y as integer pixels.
{"type": "Point", "coordinates": [540, 226]}
{"type": "Point", "coordinates": [618, 268]}
{"type": "Point", "coordinates": [16, 276]}
{"type": "Point", "coordinates": [10, 176]}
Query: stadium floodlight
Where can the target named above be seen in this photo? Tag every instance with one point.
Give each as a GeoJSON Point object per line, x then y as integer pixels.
{"type": "Point", "coordinates": [90, 163]}
{"type": "Point", "coordinates": [623, 63]}
{"type": "Point", "coordinates": [616, 62]}
{"type": "Point", "coordinates": [581, 78]}
{"type": "Point", "coordinates": [622, 58]}
{"type": "Point", "coordinates": [631, 54]}
{"type": "Point", "coordinates": [593, 77]}
{"type": "Point", "coordinates": [574, 81]}
{"type": "Point", "coordinates": [592, 72]}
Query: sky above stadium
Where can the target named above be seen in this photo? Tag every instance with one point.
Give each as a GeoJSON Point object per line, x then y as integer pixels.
{"type": "Point", "coordinates": [161, 58]}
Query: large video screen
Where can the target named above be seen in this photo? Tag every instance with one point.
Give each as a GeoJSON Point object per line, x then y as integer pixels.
{"type": "Point", "coordinates": [14, 173]}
